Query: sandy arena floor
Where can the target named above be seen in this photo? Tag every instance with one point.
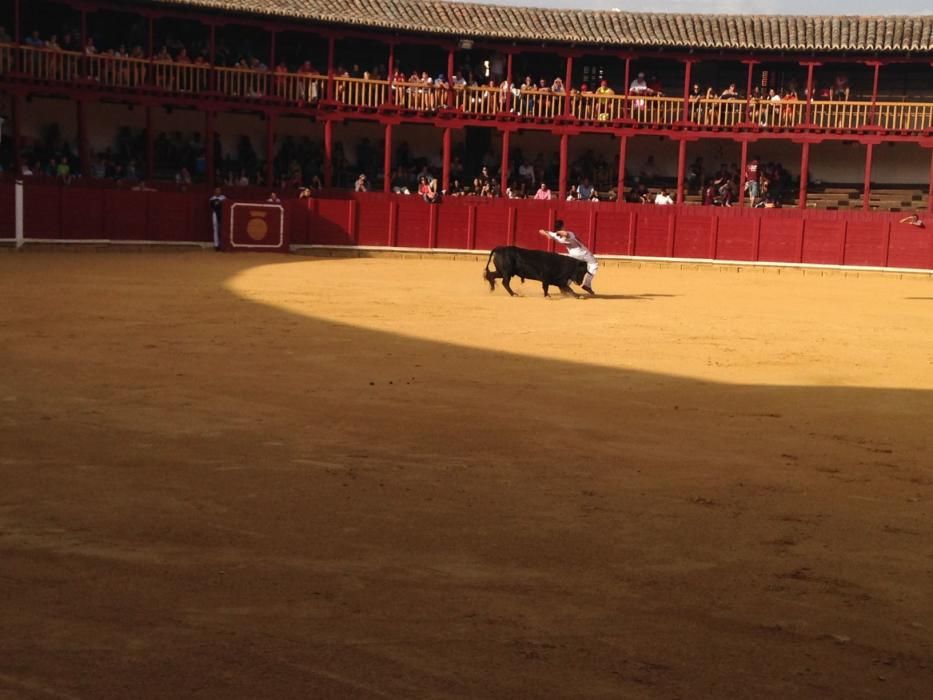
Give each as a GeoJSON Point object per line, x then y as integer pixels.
{"type": "Point", "coordinates": [268, 477]}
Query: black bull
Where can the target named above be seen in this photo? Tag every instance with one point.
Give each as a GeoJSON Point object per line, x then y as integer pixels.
{"type": "Point", "coordinates": [547, 268]}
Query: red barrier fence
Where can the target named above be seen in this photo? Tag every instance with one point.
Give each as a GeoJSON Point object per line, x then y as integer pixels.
{"type": "Point", "coordinates": [875, 239]}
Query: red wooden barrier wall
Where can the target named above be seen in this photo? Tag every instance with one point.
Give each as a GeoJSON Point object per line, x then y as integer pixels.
{"type": "Point", "coordinates": [776, 235]}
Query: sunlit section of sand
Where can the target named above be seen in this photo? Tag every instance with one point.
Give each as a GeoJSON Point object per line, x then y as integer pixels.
{"type": "Point", "coordinates": [716, 324]}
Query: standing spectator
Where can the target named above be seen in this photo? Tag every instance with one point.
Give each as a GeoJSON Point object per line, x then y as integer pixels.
{"type": "Point", "coordinates": [216, 203]}
{"type": "Point", "coordinates": [753, 181]}
{"type": "Point", "coordinates": [585, 190]}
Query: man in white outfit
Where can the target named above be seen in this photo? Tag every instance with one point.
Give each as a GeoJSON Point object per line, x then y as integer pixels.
{"type": "Point", "coordinates": [216, 203]}
{"type": "Point", "coordinates": [576, 250]}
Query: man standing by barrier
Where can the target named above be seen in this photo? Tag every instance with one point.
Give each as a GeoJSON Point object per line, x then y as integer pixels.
{"type": "Point", "coordinates": [575, 249]}
{"type": "Point", "coordinates": [217, 209]}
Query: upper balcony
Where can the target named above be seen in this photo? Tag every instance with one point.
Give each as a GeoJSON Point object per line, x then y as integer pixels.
{"type": "Point", "coordinates": [317, 93]}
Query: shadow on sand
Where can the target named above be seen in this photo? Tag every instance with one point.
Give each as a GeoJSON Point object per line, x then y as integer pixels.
{"type": "Point", "coordinates": [206, 494]}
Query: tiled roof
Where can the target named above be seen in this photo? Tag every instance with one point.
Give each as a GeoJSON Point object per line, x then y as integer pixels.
{"type": "Point", "coordinates": [765, 33]}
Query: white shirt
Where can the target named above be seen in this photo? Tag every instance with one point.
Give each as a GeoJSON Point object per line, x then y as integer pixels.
{"type": "Point", "coordinates": [575, 249]}
{"type": "Point", "coordinates": [663, 199]}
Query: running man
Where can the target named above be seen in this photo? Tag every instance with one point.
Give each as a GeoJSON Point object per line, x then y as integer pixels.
{"type": "Point", "coordinates": [575, 249]}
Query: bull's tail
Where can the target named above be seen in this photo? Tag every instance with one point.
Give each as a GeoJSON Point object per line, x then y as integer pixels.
{"type": "Point", "coordinates": [489, 276]}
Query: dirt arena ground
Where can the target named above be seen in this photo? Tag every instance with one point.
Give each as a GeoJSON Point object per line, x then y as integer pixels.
{"type": "Point", "coordinates": [268, 477]}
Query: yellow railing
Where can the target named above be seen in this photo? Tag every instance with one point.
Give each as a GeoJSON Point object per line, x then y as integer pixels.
{"type": "Point", "coordinates": [6, 58]}
{"type": "Point", "coordinates": [118, 72]}
{"type": "Point", "coordinates": [784, 114]}
{"type": "Point", "coordinates": [538, 104]}
{"type": "Point", "coordinates": [592, 107]}
{"type": "Point", "coordinates": [69, 66]}
{"type": "Point", "coordinates": [359, 92]}
{"type": "Point", "coordinates": [299, 87]}
{"type": "Point", "coordinates": [655, 110]}
{"type": "Point", "coordinates": [487, 101]}
{"type": "Point", "coordinates": [50, 64]}
{"type": "Point", "coordinates": [181, 77]}
{"type": "Point", "coordinates": [242, 82]}
{"type": "Point", "coordinates": [904, 116]}
{"type": "Point", "coordinates": [418, 96]}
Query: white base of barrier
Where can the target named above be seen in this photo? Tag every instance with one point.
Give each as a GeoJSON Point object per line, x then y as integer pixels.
{"type": "Point", "coordinates": [635, 258]}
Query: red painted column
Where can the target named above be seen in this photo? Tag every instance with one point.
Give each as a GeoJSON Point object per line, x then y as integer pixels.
{"type": "Point", "coordinates": [688, 69]}
{"type": "Point", "coordinates": [83, 60]}
{"type": "Point", "coordinates": [391, 73]}
{"type": "Point", "coordinates": [84, 154]}
{"type": "Point", "coordinates": [930, 191]}
{"type": "Point", "coordinates": [748, 92]}
{"type": "Point", "coordinates": [567, 83]}
{"type": "Point", "coordinates": [874, 92]}
{"type": "Point", "coordinates": [504, 167]}
{"type": "Point", "coordinates": [742, 179]}
{"type": "Point", "coordinates": [272, 41]}
{"type": "Point", "coordinates": [620, 186]}
{"type": "Point", "coordinates": [562, 181]}
{"type": "Point", "coordinates": [150, 144]}
{"type": "Point", "coordinates": [387, 160]}
{"type": "Point", "coordinates": [866, 191]}
{"type": "Point", "coordinates": [508, 80]}
{"type": "Point", "coordinates": [681, 169]}
{"type": "Point", "coordinates": [270, 151]}
{"type": "Point", "coordinates": [450, 79]}
{"type": "Point", "coordinates": [331, 48]}
{"type": "Point", "coordinates": [809, 111]}
{"type": "Point", "coordinates": [212, 57]}
{"type": "Point", "coordinates": [328, 153]}
{"type": "Point", "coordinates": [804, 175]}
{"type": "Point", "coordinates": [16, 128]}
{"type": "Point", "coordinates": [445, 172]}
{"type": "Point", "coordinates": [17, 22]}
{"type": "Point", "coordinates": [210, 167]}
{"type": "Point", "coordinates": [628, 78]}
{"type": "Point", "coordinates": [151, 56]}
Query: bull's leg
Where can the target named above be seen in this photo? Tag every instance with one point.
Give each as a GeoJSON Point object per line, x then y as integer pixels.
{"type": "Point", "coordinates": [491, 277]}
{"type": "Point", "coordinates": [546, 287]}
{"type": "Point", "coordinates": [566, 290]}
{"type": "Point", "coordinates": [505, 283]}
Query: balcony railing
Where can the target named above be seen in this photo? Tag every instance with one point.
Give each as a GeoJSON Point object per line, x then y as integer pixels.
{"type": "Point", "coordinates": [360, 92]}
{"type": "Point", "coordinates": [304, 89]}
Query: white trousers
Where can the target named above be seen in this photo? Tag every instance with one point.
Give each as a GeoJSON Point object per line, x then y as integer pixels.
{"type": "Point", "coordinates": [216, 221]}
{"type": "Point", "coordinates": [592, 266]}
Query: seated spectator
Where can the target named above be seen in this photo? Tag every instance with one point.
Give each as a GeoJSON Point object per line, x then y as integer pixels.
{"type": "Point", "coordinates": [361, 184]}
{"type": "Point", "coordinates": [654, 87]}
{"type": "Point", "coordinates": [639, 86]}
{"type": "Point", "coordinates": [273, 198]}
{"type": "Point", "coordinates": [663, 198]}
{"type": "Point", "coordinates": [63, 171]}
{"type": "Point", "coordinates": [730, 93]}
{"type": "Point", "coordinates": [455, 189]}
{"type": "Point", "coordinates": [557, 87]}
{"type": "Point", "coordinates": [585, 190]}
{"type": "Point", "coordinates": [400, 182]}
{"type": "Point", "coordinates": [543, 192]}
{"type": "Point", "coordinates": [427, 189]}
{"type": "Point", "coordinates": [183, 177]}
{"type": "Point", "coordinates": [572, 193]}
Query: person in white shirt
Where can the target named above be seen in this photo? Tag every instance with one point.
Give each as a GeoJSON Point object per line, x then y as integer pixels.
{"type": "Point", "coordinates": [576, 250]}
{"type": "Point", "coordinates": [663, 198]}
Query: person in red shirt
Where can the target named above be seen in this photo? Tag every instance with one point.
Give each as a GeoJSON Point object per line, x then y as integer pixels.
{"type": "Point", "coordinates": [753, 180]}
